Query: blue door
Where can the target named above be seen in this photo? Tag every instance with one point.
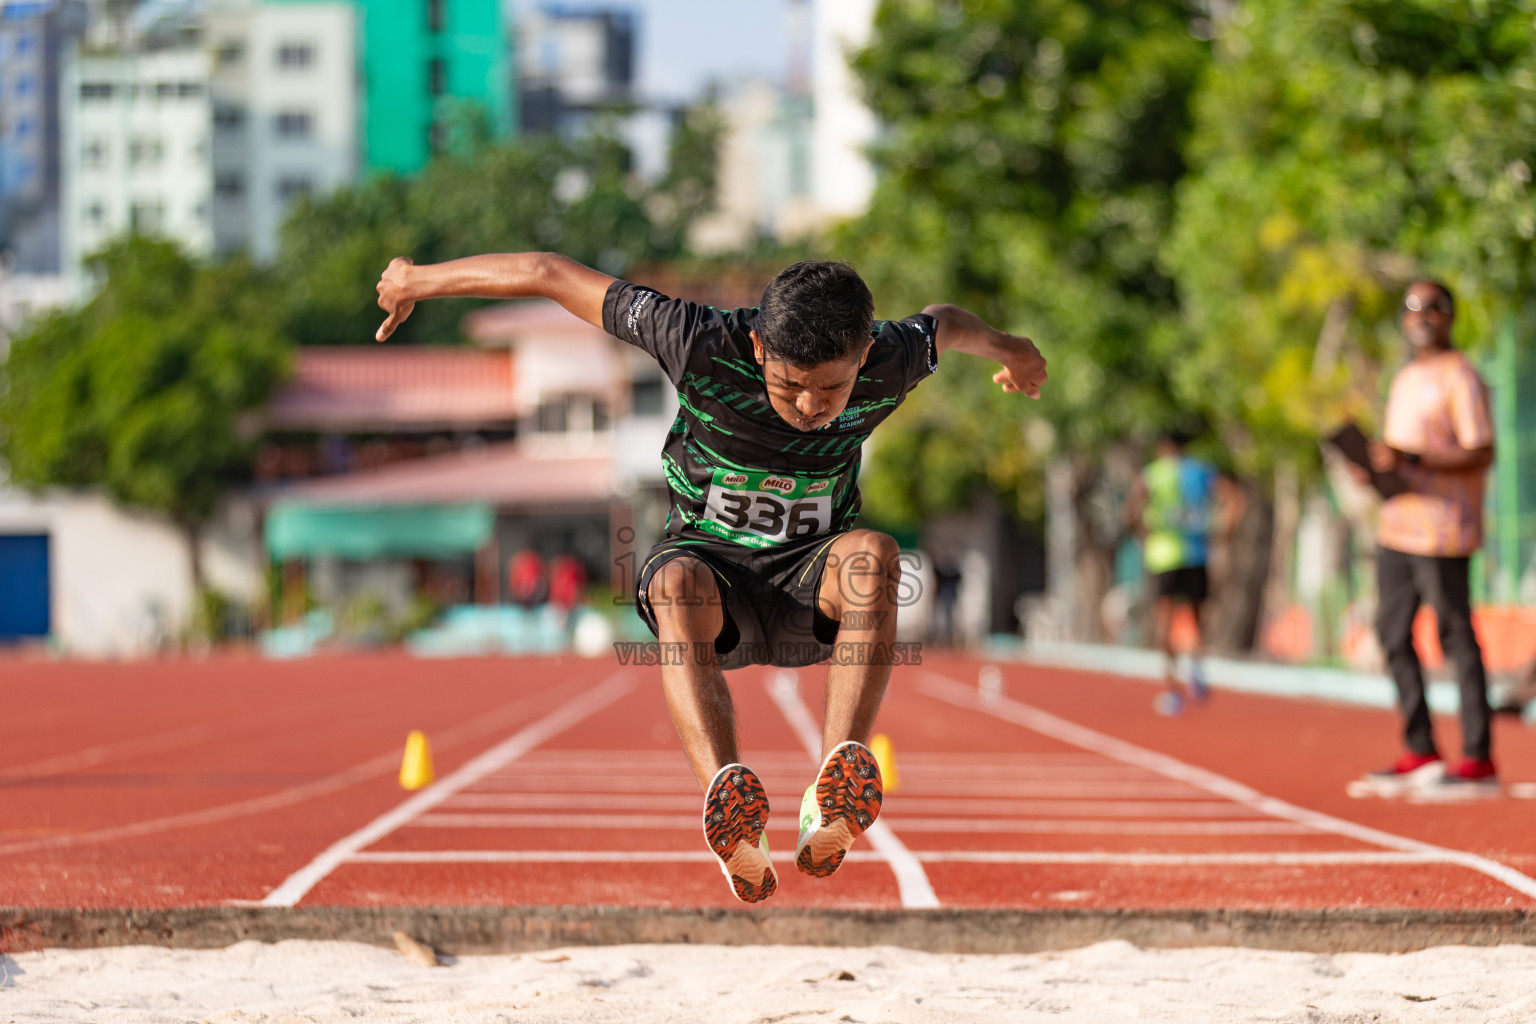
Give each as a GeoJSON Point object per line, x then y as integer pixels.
{"type": "Point", "coordinates": [23, 586]}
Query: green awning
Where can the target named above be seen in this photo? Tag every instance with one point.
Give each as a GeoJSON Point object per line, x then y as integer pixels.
{"type": "Point", "coordinates": [362, 533]}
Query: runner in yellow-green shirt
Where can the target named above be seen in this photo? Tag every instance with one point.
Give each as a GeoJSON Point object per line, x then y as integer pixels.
{"type": "Point", "coordinates": [1175, 505]}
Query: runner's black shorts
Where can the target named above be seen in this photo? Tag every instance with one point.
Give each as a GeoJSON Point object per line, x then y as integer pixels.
{"type": "Point", "coordinates": [771, 613]}
{"type": "Point", "coordinates": [1189, 583]}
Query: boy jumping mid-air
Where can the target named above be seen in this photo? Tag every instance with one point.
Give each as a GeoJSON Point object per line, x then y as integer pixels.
{"type": "Point", "coordinates": [761, 564]}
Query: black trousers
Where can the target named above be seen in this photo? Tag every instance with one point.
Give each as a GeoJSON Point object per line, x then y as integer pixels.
{"type": "Point", "coordinates": [1403, 583]}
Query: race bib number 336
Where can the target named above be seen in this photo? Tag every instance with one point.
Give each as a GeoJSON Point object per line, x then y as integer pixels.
{"type": "Point", "coordinates": [761, 509]}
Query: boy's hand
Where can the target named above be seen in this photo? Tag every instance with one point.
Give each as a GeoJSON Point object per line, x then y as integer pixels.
{"type": "Point", "coordinates": [392, 296]}
{"type": "Point", "coordinates": [1023, 367]}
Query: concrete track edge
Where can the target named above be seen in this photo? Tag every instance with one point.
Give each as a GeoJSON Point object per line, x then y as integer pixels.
{"type": "Point", "coordinates": [489, 929]}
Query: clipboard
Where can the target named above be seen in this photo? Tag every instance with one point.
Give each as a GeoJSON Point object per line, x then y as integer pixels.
{"type": "Point", "coordinates": [1352, 443]}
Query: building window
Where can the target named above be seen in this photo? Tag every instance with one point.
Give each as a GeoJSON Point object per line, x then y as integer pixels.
{"type": "Point", "coordinates": [437, 76]}
{"type": "Point", "coordinates": [146, 216]}
{"type": "Point", "coordinates": [437, 137]}
{"type": "Point", "coordinates": [228, 185]}
{"type": "Point", "coordinates": [189, 90]}
{"type": "Point", "coordinates": [571, 414]}
{"type": "Point", "coordinates": [645, 397]}
{"type": "Point", "coordinates": [554, 416]}
{"type": "Point", "coordinates": [295, 56]}
{"type": "Point", "coordinates": [95, 214]}
{"type": "Point", "coordinates": [93, 153]}
{"type": "Point", "coordinates": [24, 44]}
{"type": "Point", "coordinates": [96, 91]}
{"type": "Point", "coordinates": [145, 152]}
{"type": "Point", "coordinates": [23, 127]}
{"type": "Point", "coordinates": [437, 15]}
{"type": "Point", "coordinates": [227, 118]}
{"type": "Point", "coordinates": [292, 187]}
{"type": "Point", "coordinates": [24, 85]}
{"type": "Point", "coordinates": [294, 124]}
{"type": "Point", "coordinates": [229, 54]}
{"type": "Point", "coordinates": [165, 90]}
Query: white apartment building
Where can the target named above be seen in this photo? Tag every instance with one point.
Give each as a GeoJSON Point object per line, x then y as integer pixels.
{"type": "Point", "coordinates": [843, 177]}
{"type": "Point", "coordinates": [210, 142]}
{"type": "Point", "coordinates": [285, 114]}
{"type": "Point", "coordinates": [135, 151]}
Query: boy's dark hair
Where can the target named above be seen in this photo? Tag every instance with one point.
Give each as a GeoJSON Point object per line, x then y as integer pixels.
{"type": "Point", "coordinates": [814, 312]}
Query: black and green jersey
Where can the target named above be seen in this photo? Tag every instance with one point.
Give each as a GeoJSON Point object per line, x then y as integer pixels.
{"type": "Point", "coordinates": [736, 470]}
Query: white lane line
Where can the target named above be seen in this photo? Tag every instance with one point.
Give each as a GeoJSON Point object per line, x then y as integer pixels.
{"type": "Point", "coordinates": [977, 826]}
{"type": "Point", "coordinates": [568, 714]}
{"type": "Point", "coordinates": [617, 788]}
{"type": "Point", "coordinates": [574, 801]}
{"type": "Point", "coordinates": [911, 880]}
{"type": "Point", "coordinates": [1279, 859]}
{"type": "Point", "coordinates": [1053, 790]}
{"type": "Point", "coordinates": [1074, 808]}
{"type": "Point", "coordinates": [1043, 722]}
{"type": "Point", "coordinates": [927, 856]}
{"type": "Point", "coordinates": [642, 822]}
{"type": "Point", "coordinates": [564, 857]}
{"type": "Point", "coordinates": [1080, 826]}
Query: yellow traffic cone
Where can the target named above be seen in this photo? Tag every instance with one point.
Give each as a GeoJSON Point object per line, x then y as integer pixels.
{"type": "Point", "coordinates": [416, 766]}
{"type": "Point", "coordinates": [885, 757]}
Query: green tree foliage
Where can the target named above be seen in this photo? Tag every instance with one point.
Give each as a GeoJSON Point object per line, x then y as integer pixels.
{"type": "Point", "coordinates": [1342, 147]}
{"type": "Point", "coordinates": [579, 197]}
{"type": "Point", "coordinates": [142, 389]}
{"type": "Point", "coordinates": [1028, 171]}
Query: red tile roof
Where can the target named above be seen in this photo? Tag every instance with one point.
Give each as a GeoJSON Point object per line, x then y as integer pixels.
{"type": "Point", "coordinates": [347, 388]}
{"type": "Point", "coordinates": [504, 475]}
{"type": "Point", "coordinates": [537, 319]}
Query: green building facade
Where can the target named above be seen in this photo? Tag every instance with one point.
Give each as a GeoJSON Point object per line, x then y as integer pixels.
{"type": "Point", "coordinates": [420, 64]}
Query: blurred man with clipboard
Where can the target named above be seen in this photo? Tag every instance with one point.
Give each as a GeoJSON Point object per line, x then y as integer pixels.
{"type": "Point", "coordinates": [1431, 468]}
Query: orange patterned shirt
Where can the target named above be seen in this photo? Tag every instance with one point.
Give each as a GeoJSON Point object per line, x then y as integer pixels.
{"type": "Point", "coordinates": [1437, 405]}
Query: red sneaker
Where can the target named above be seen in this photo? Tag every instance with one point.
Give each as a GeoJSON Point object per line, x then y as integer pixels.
{"type": "Point", "coordinates": [1471, 779]}
{"type": "Point", "coordinates": [1472, 770]}
{"type": "Point", "coordinates": [1410, 772]}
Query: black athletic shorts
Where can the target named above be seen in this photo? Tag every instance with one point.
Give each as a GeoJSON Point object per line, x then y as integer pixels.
{"type": "Point", "coordinates": [771, 613]}
{"type": "Point", "coordinates": [1187, 584]}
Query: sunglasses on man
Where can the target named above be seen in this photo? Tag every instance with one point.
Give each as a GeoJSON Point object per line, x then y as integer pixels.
{"type": "Point", "coordinates": [1416, 304]}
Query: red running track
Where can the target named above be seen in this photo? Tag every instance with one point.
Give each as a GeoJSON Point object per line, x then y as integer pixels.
{"type": "Point", "coordinates": [239, 781]}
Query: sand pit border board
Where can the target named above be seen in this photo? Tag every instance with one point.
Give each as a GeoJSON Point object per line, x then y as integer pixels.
{"type": "Point", "coordinates": [492, 929]}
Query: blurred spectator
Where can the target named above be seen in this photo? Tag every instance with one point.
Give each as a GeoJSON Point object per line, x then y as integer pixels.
{"type": "Point", "coordinates": [946, 593]}
{"type": "Point", "coordinates": [567, 583]}
{"type": "Point", "coordinates": [525, 578]}
{"type": "Point", "coordinates": [1439, 438]}
{"type": "Point", "coordinates": [1173, 506]}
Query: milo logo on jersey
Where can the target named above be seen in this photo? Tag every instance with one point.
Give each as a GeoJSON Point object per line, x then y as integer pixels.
{"type": "Point", "coordinates": [763, 509]}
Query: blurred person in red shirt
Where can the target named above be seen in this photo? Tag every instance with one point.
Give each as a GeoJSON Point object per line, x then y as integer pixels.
{"type": "Point", "coordinates": [525, 578]}
{"type": "Point", "coordinates": [1439, 438]}
{"type": "Point", "coordinates": [567, 583]}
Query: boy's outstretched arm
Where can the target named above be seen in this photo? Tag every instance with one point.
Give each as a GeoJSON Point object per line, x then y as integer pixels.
{"type": "Point", "coordinates": [964, 331]}
{"type": "Point", "coordinates": [513, 275]}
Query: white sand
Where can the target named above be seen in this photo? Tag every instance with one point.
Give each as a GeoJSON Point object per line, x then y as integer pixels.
{"type": "Point", "coordinates": [1110, 982]}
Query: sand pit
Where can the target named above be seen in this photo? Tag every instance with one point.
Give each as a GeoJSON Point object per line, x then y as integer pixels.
{"type": "Point", "coordinates": [1108, 982]}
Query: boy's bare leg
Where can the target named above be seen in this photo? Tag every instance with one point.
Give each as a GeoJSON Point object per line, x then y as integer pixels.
{"type": "Point", "coordinates": [686, 601]}
{"type": "Point", "coordinates": [859, 589]}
